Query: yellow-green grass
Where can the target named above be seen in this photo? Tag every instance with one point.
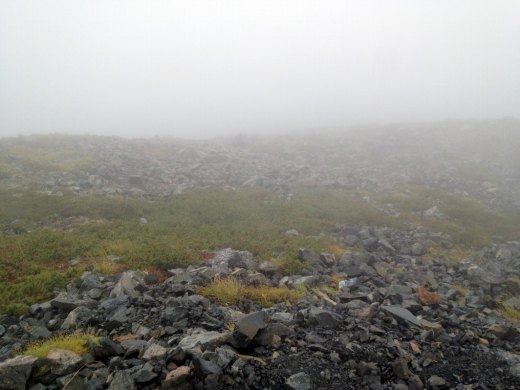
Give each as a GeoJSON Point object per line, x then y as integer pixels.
{"type": "Point", "coordinates": [231, 291]}
{"type": "Point", "coordinates": [510, 312]}
{"type": "Point", "coordinates": [75, 342]}
{"type": "Point", "coordinates": [36, 262]}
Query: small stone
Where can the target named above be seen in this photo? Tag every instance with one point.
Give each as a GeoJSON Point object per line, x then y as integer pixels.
{"type": "Point", "coordinates": [483, 342]}
{"type": "Point", "coordinates": [299, 381]}
{"type": "Point", "coordinates": [122, 380]}
{"type": "Point", "coordinates": [400, 367]}
{"type": "Point", "coordinates": [155, 352]}
{"type": "Point", "coordinates": [178, 376]}
{"type": "Point", "coordinates": [415, 348]}
{"type": "Point", "coordinates": [435, 380]}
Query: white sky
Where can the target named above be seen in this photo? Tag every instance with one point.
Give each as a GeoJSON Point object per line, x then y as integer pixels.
{"type": "Point", "coordinates": [200, 68]}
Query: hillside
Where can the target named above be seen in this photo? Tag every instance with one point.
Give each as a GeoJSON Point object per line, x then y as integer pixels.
{"type": "Point", "coordinates": [382, 256]}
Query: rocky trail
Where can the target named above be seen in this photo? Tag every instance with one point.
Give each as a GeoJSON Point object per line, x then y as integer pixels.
{"type": "Point", "coordinates": [381, 316]}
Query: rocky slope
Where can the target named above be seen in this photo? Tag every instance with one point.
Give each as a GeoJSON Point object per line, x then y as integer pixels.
{"type": "Point", "coordinates": [476, 158]}
{"type": "Point", "coordinates": [382, 316]}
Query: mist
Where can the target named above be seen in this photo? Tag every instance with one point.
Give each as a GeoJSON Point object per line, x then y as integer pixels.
{"type": "Point", "coordinates": [205, 68]}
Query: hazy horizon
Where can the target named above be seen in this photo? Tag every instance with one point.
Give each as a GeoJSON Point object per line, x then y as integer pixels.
{"type": "Point", "coordinates": [199, 69]}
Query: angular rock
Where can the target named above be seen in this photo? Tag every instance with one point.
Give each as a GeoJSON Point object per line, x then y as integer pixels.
{"type": "Point", "coordinates": [80, 316]}
{"type": "Point", "coordinates": [250, 324]}
{"type": "Point", "coordinates": [323, 318]}
{"type": "Point", "coordinates": [402, 314]}
{"type": "Point", "coordinates": [299, 381]}
{"type": "Point", "coordinates": [178, 376]}
{"type": "Point", "coordinates": [15, 372]}
{"type": "Point", "coordinates": [155, 352]}
{"type": "Point", "coordinates": [203, 339]}
{"type": "Point", "coordinates": [122, 380]}
{"type": "Point", "coordinates": [63, 361]}
{"type": "Point", "coordinates": [130, 284]}
{"type": "Point", "coordinates": [435, 381]}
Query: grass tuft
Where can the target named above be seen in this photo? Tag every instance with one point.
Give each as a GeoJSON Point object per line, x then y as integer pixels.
{"type": "Point", "coordinates": [510, 312]}
{"type": "Point", "coordinates": [75, 342]}
{"type": "Point", "coordinates": [231, 291]}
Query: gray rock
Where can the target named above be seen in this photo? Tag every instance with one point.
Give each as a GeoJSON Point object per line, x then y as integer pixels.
{"type": "Point", "coordinates": [284, 318]}
{"type": "Point", "coordinates": [66, 305]}
{"type": "Point", "coordinates": [203, 339]}
{"type": "Point", "coordinates": [155, 352]}
{"type": "Point", "coordinates": [144, 374]}
{"type": "Point", "coordinates": [434, 212]}
{"type": "Point", "coordinates": [327, 259]}
{"type": "Point", "coordinates": [250, 324]}
{"type": "Point", "coordinates": [2, 330]}
{"type": "Point", "coordinates": [63, 361]}
{"type": "Point", "coordinates": [227, 259]}
{"type": "Point", "coordinates": [206, 367]}
{"type": "Point", "coordinates": [72, 382]}
{"type": "Point", "coordinates": [299, 381]}
{"type": "Point", "coordinates": [37, 332]}
{"type": "Point", "coordinates": [323, 318]}
{"type": "Point", "coordinates": [78, 317]}
{"type": "Point", "coordinates": [397, 289]}
{"type": "Point", "coordinates": [418, 249]}
{"type": "Point", "coordinates": [435, 380]}
{"type": "Point", "coordinates": [272, 333]}
{"type": "Point", "coordinates": [402, 314]}
{"type": "Point", "coordinates": [400, 367]}
{"type": "Point", "coordinates": [15, 372]}
{"type": "Point", "coordinates": [122, 380]}
{"type": "Point", "coordinates": [268, 267]}
{"type": "Point", "coordinates": [130, 283]}
{"type": "Point", "coordinates": [224, 357]}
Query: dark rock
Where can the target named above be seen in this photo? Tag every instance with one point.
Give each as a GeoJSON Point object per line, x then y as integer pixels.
{"type": "Point", "coordinates": [63, 362]}
{"type": "Point", "coordinates": [206, 367]}
{"type": "Point", "coordinates": [402, 314]}
{"type": "Point", "coordinates": [15, 372]}
{"type": "Point", "coordinates": [66, 305]}
{"type": "Point", "coordinates": [250, 324]}
{"type": "Point", "coordinates": [122, 380]}
{"type": "Point", "coordinates": [80, 316]}
{"type": "Point", "coordinates": [323, 318]}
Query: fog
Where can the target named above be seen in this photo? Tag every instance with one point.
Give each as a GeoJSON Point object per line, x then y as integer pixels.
{"type": "Point", "coordinates": [204, 68]}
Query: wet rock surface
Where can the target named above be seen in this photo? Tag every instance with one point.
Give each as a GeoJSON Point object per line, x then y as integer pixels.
{"type": "Point", "coordinates": [363, 323]}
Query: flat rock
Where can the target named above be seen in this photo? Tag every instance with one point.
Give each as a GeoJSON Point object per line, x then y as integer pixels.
{"type": "Point", "coordinates": [402, 314]}
{"type": "Point", "coordinates": [203, 339]}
